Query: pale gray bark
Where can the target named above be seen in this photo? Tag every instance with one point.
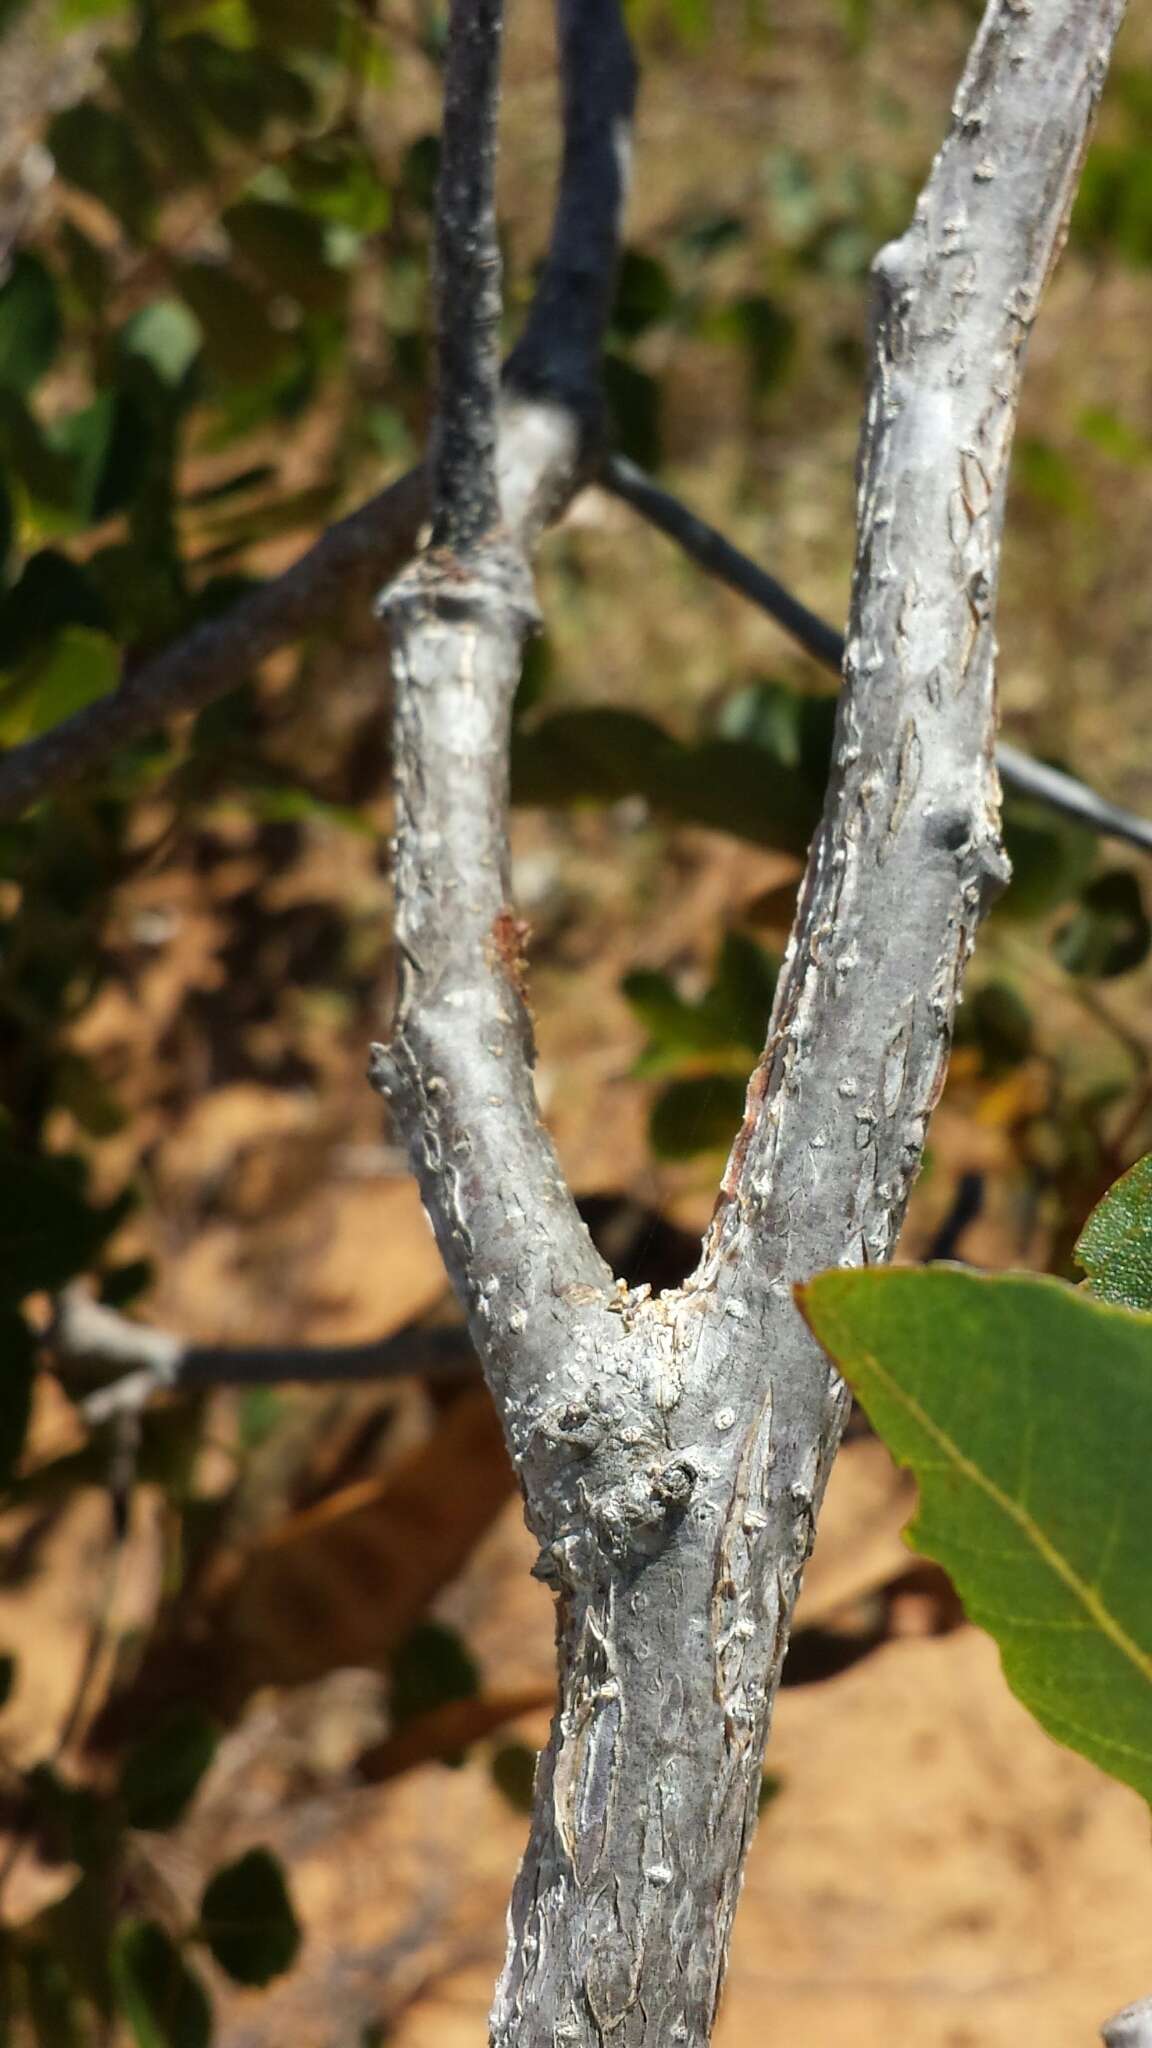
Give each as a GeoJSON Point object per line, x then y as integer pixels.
{"type": "Point", "coordinates": [1131, 2028]}
{"type": "Point", "coordinates": [673, 1451]}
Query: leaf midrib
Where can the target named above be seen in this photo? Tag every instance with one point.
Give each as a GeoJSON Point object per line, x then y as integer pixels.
{"type": "Point", "coordinates": [1078, 1587]}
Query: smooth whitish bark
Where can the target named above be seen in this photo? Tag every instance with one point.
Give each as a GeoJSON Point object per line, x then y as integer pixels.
{"type": "Point", "coordinates": [673, 1452]}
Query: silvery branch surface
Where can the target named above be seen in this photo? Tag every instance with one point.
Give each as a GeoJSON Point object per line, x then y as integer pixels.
{"type": "Point", "coordinates": [673, 1451]}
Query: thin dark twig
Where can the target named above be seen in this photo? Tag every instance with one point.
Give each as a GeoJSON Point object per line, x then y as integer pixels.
{"type": "Point", "coordinates": [465, 494]}
{"type": "Point", "coordinates": [87, 1335]}
{"type": "Point", "coordinates": [716, 554]}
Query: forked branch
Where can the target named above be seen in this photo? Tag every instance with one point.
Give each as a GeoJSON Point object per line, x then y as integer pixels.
{"type": "Point", "coordinates": [673, 1451]}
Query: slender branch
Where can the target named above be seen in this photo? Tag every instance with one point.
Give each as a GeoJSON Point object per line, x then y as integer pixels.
{"type": "Point", "coordinates": [458, 1069]}
{"type": "Point", "coordinates": [465, 498]}
{"type": "Point", "coordinates": [89, 1335]}
{"type": "Point", "coordinates": [706, 545]}
{"type": "Point", "coordinates": [344, 567]}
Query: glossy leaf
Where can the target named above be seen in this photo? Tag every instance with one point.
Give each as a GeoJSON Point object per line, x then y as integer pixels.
{"type": "Point", "coordinates": [1115, 1245]}
{"type": "Point", "coordinates": [1025, 1410]}
{"type": "Point", "coordinates": [247, 1921]}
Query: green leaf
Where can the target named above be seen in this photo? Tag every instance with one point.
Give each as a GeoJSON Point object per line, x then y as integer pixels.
{"type": "Point", "coordinates": [335, 177]}
{"type": "Point", "coordinates": [700, 1114]}
{"type": "Point", "coordinates": [97, 151]}
{"type": "Point", "coordinates": [645, 295]}
{"type": "Point", "coordinates": [243, 91]}
{"type": "Point", "coordinates": [299, 24]}
{"type": "Point", "coordinates": [731, 1016]}
{"type": "Point", "coordinates": [1110, 933]}
{"type": "Point", "coordinates": [602, 754]}
{"type": "Point", "coordinates": [677, 1029]}
{"type": "Point", "coordinates": [241, 343]}
{"type": "Point", "coordinates": [79, 666]}
{"type": "Point", "coordinates": [53, 2008]}
{"type": "Point", "coordinates": [768, 335]}
{"type": "Point", "coordinates": [48, 1232]}
{"type": "Point", "coordinates": [1025, 1410]}
{"type": "Point", "coordinates": [633, 400]}
{"type": "Point", "coordinates": [29, 323]}
{"type": "Point", "coordinates": [51, 592]}
{"type": "Point", "coordinates": [431, 1667]}
{"type": "Point", "coordinates": [164, 115]}
{"type": "Point", "coordinates": [159, 1777]}
{"type": "Point", "coordinates": [247, 1921]}
{"type": "Point", "coordinates": [288, 249]}
{"type": "Point", "coordinates": [162, 2000]}
{"type": "Point", "coordinates": [1115, 1245]}
{"type": "Point", "coordinates": [998, 1022]}
{"type": "Point", "coordinates": [1050, 860]}
{"type": "Point", "coordinates": [166, 336]}
{"type": "Point", "coordinates": [514, 1774]}
{"type": "Point", "coordinates": [26, 447]}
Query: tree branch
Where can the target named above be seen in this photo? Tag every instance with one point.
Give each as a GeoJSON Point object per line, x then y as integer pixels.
{"type": "Point", "coordinates": [706, 545]}
{"type": "Point", "coordinates": [549, 416]}
{"type": "Point", "coordinates": [458, 1069]}
{"type": "Point", "coordinates": [676, 1478]}
{"type": "Point", "coordinates": [465, 500]}
{"type": "Point", "coordinates": [88, 1334]}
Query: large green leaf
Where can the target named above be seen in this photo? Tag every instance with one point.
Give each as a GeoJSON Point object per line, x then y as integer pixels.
{"type": "Point", "coordinates": [1025, 1410]}
{"type": "Point", "coordinates": [1115, 1245]}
